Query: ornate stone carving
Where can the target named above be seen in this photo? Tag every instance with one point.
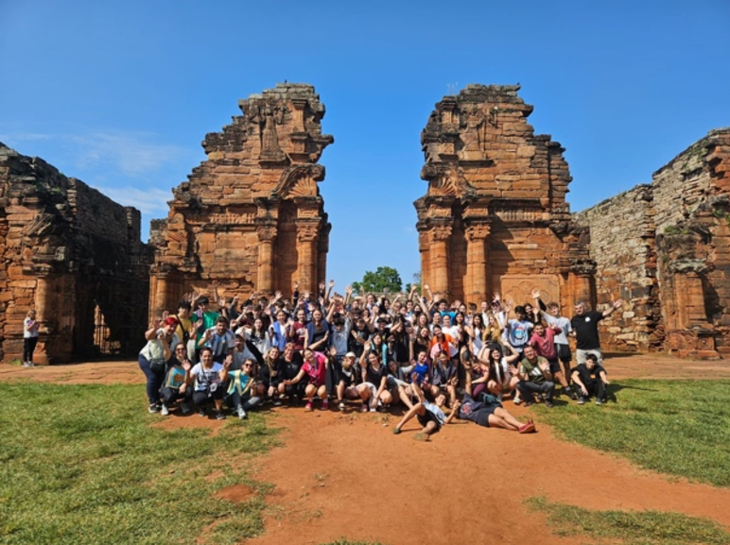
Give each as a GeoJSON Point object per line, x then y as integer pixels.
{"type": "Point", "coordinates": [479, 231]}
{"type": "Point", "coordinates": [307, 232]}
{"type": "Point", "coordinates": [440, 233]}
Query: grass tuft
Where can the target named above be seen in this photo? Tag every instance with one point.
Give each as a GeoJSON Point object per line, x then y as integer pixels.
{"type": "Point", "coordinates": [630, 527]}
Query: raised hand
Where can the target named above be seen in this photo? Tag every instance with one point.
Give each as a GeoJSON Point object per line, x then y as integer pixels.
{"type": "Point", "coordinates": [535, 294]}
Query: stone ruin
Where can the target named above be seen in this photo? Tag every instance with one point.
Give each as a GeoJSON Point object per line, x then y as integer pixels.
{"type": "Point", "coordinates": [251, 216]}
{"type": "Point", "coordinates": [494, 217]}
{"type": "Point", "coordinates": [664, 248]}
{"type": "Point", "coordinates": [76, 257]}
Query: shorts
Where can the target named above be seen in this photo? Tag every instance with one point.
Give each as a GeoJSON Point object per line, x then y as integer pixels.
{"type": "Point", "coordinates": [427, 417]}
{"type": "Point", "coordinates": [580, 355]}
{"type": "Point", "coordinates": [555, 366]}
{"type": "Point", "coordinates": [563, 352]}
{"type": "Point", "coordinates": [483, 414]}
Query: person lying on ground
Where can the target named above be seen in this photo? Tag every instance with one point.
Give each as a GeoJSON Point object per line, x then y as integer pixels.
{"type": "Point", "coordinates": [487, 411]}
{"type": "Point", "coordinates": [430, 415]}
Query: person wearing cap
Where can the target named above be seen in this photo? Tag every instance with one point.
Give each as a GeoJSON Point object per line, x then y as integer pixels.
{"type": "Point", "coordinates": [154, 356]}
{"type": "Point", "coordinates": [347, 386]}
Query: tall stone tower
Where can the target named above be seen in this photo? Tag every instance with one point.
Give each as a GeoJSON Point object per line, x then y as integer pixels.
{"type": "Point", "coordinates": [495, 218]}
{"type": "Point", "coordinates": [250, 217]}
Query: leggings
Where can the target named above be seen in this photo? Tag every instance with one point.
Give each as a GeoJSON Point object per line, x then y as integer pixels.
{"type": "Point", "coordinates": [200, 398]}
{"type": "Point", "coordinates": [28, 348]}
{"type": "Point", "coordinates": [154, 380]}
{"type": "Point", "coordinates": [247, 401]}
{"type": "Point", "coordinates": [171, 395]}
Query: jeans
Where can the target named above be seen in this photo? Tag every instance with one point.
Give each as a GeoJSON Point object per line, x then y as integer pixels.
{"type": "Point", "coordinates": [527, 389]}
{"type": "Point", "coordinates": [154, 380]}
{"type": "Point", "coordinates": [247, 401]}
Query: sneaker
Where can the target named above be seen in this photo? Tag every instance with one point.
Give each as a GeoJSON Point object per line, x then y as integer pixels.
{"type": "Point", "coordinates": [325, 404]}
{"type": "Point", "coordinates": [153, 408]}
{"type": "Point", "coordinates": [219, 415]}
{"type": "Point", "coordinates": [164, 411]}
{"type": "Point", "coordinates": [373, 410]}
{"type": "Point", "coordinates": [277, 403]}
{"type": "Point", "coordinates": [201, 412]}
{"type": "Point", "coordinates": [341, 405]}
{"type": "Point", "coordinates": [241, 413]}
{"type": "Point", "coordinates": [396, 431]}
{"type": "Point", "coordinates": [27, 364]}
{"type": "Point", "coordinates": [549, 404]}
{"type": "Point", "coordinates": [529, 403]}
{"type": "Point", "coordinates": [571, 394]}
{"type": "Point", "coordinates": [527, 428]}
{"type": "Point", "coordinates": [516, 400]}
{"type": "Point", "coordinates": [308, 406]}
{"type": "Point", "coordinates": [363, 408]}
{"type": "Point", "coordinates": [185, 407]}
{"type": "Point", "coordinates": [599, 402]}
{"type": "Point", "coordinates": [581, 400]}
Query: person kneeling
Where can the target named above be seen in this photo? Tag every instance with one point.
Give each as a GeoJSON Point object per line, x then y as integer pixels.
{"type": "Point", "coordinates": [590, 377]}
{"type": "Point", "coordinates": [430, 415]}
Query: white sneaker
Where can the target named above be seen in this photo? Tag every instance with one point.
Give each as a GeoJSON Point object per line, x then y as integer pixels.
{"type": "Point", "coordinates": [241, 413]}
{"type": "Point", "coordinates": [516, 400]}
{"type": "Point", "coordinates": [164, 411]}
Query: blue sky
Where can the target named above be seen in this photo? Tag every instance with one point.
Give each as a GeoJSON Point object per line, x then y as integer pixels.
{"type": "Point", "coordinates": [121, 94]}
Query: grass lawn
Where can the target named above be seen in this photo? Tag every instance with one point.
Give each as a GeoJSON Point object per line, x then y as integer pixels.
{"type": "Point", "coordinates": [81, 464]}
{"type": "Point", "coordinates": [630, 527]}
{"type": "Point", "coordinates": [677, 427]}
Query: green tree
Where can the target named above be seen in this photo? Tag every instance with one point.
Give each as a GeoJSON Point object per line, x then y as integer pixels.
{"type": "Point", "coordinates": [382, 280]}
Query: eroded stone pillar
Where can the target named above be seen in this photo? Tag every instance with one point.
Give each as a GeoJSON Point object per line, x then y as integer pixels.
{"type": "Point", "coordinates": [44, 315]}
{"type": "Point", "coordinates": [476, 262]}
{"type": "Point", "coordinates": [439, 258]}
{"type": "Point", "coordinates": [307, 262]}
{"type": "Point", "coordinates": [265, 268]}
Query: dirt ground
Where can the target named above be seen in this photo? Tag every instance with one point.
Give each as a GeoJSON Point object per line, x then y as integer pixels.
{"type": "Point", "coordinates": [346, 475]}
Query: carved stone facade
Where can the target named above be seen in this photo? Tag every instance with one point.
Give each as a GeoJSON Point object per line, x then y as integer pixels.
{"type": "Point", "coordinates": [495, 218]}
{"type": "Point", "coordinates": [74, 256]}
{"type": "Point", "coordinates": [251, 216]}
{"type": "Point", "coordinates": [665, 249]}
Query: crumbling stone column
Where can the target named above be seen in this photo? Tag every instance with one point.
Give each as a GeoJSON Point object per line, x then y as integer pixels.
{"type": "Point", "coordinates": [439, 258]}
{"type": "Point", "coordinates": [306, 263]}
{"type": "Point", "coordinates": [267, 234]}
{"type": "Point", "coordinates": [476, 262]}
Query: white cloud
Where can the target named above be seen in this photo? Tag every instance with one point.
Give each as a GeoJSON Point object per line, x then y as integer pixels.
{"type": "Point", "coordinates": [151, 202]}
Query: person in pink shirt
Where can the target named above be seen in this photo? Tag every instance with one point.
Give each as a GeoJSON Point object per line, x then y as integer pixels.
{"type": "Point", "coordinates": [543, 341]}
{"type": "Point", "coordinates": [314, 370]}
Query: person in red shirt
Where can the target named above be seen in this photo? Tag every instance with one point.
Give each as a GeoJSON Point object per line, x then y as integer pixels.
{"type": "Point", "coordinates": [543, 341]}
{"type": "Point", "coordinates": [314, 369]}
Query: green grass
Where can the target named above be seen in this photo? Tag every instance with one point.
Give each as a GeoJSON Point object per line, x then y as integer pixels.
{"type": "Point", "coordinates": [630, 527]}
{"type": "Point", "coordinates": [81, 464]}
{"type": "Point", "coordinates": [677, 427]}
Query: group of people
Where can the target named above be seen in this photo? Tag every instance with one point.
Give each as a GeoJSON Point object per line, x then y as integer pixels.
{"type": "Point", "coordinates": [437, 359]}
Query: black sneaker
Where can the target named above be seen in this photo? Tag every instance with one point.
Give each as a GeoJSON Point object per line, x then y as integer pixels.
{"type": "Point", "coordinates": [201, 412]}
{"type": "Point", "coordinates": [599, 402]}
{"type": "Point", "coordinates": [219, 415]}
{"type": "Point", "coordinates": [154, 408]}
{"type": "Point", "coordinates": [581, 400]}
{"type": "Point", "coordinates": [549, 404]}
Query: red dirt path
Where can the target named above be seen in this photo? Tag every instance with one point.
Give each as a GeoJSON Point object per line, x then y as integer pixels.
{"type": "Point", "coordinates": [346, 475]}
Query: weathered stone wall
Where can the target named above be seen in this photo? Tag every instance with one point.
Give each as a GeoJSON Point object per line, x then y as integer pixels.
{"type": "Point", "coordinates": [665, 249]}
{"type": "Point", "coordinates": [622, 243]}
{"type": "Point", "coordinates": [251, 216]}
{"type": "Point", "coordinates": [75, 256]}
{"type": "Point", "coordinates": [495, 218]}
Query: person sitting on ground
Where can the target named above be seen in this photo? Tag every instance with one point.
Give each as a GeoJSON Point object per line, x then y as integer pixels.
{"type": "Point", "coordinates": [375, 378]}
{"type": "Point", "coordinates": [430, 415]}
{"type": "Point", "coordinates": [487, 411]}
{"type": "Point", "coordinates": [535, 378]}
{"type": "Point", "coordinates": [591, 380]}
{"type": "Point", "coordinates": [543, 341]}
{"type": "Point", "coordinates": [175, 387]}
{"type": "Point", "coordinates": [240, 392]}
{"type": "Point", "coordinates": [346, 385]}
{"type": "Point", "coordinates": [206, 380]}
{"type": "Point", "coordinates": [154, 356]}
{"type": "Point", "coordinates": [501, 376]}
{"type": "Point", "coordinates": [291, 365]}
{"type": "Point", "coordinates": [445, 378]}
{"type": "Point", "coordinates": [314, 369]}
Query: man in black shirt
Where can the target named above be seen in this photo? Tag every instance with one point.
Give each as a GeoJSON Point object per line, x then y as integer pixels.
{"type": "Point", "coordinates": [590, 378]}
{"type": "Point", "coordinates": [585, 329]}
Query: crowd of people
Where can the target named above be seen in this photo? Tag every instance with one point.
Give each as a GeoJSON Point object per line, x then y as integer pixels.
{"type": "Point", "coordinates": [438, 360]}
